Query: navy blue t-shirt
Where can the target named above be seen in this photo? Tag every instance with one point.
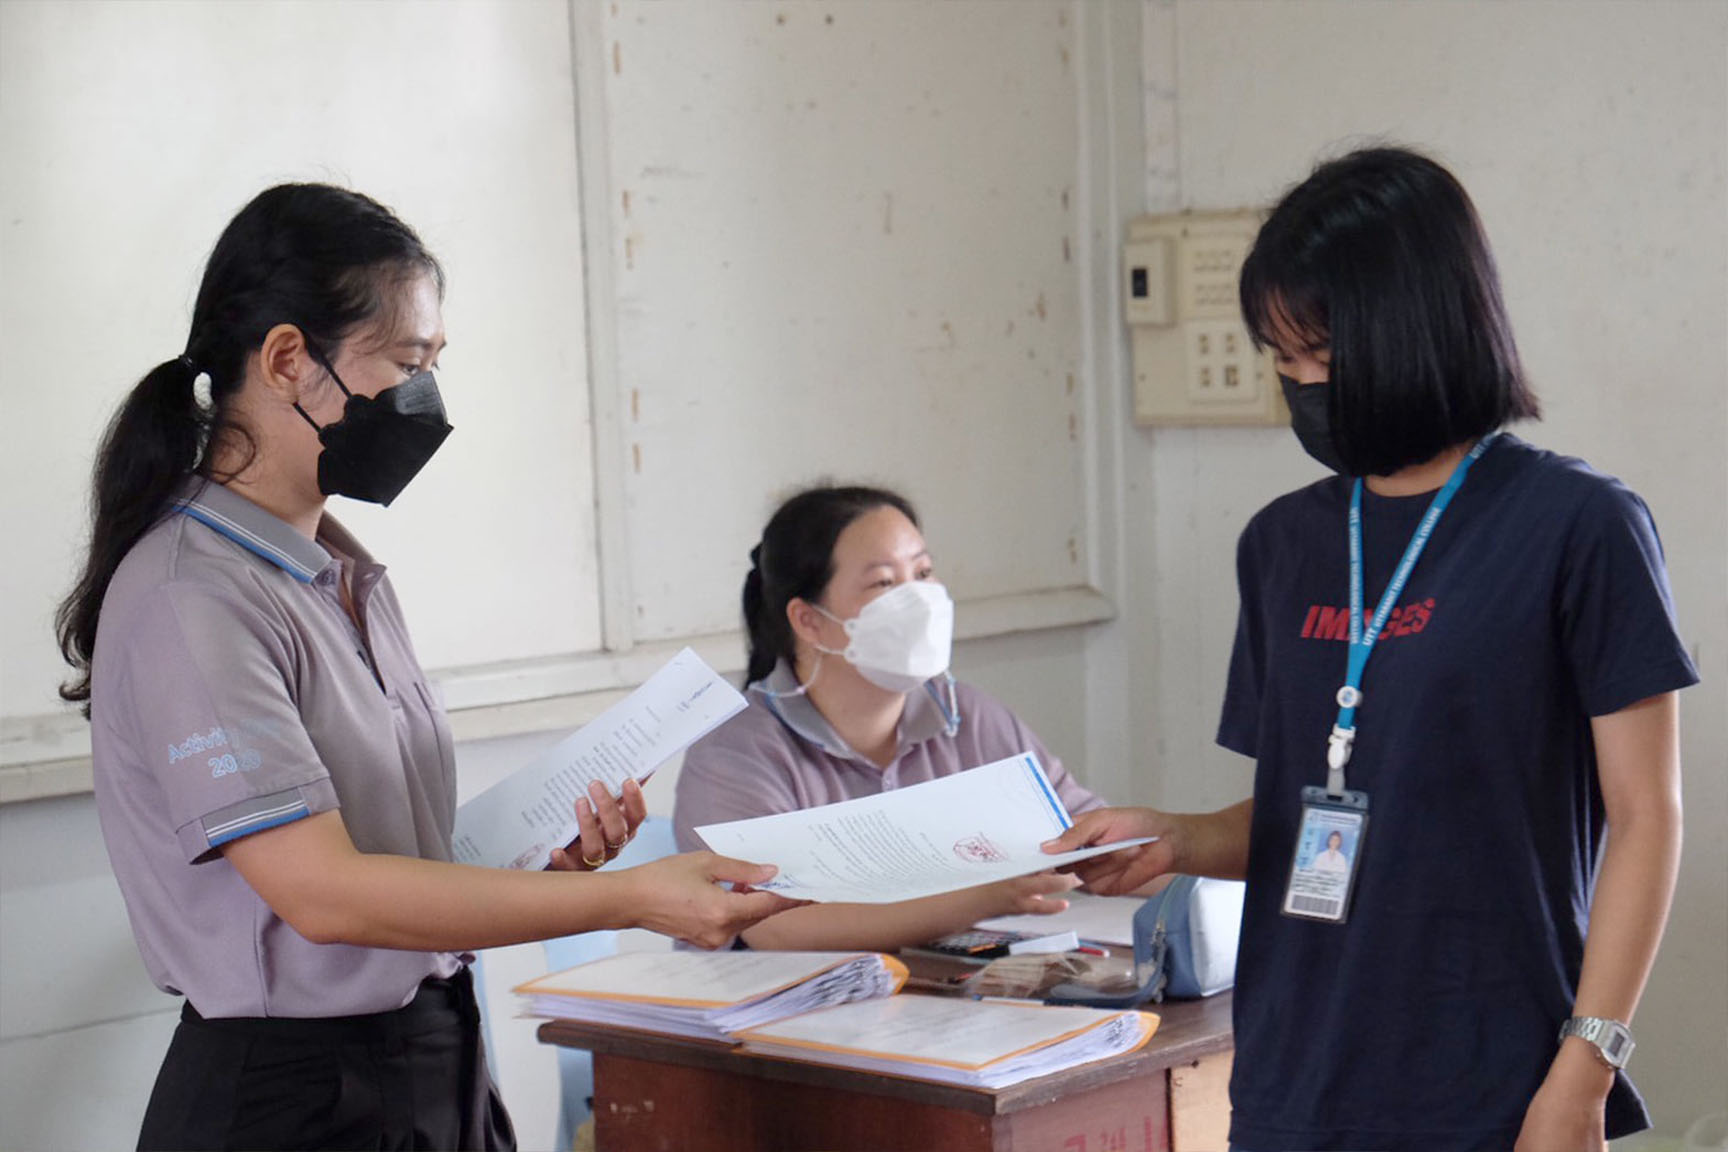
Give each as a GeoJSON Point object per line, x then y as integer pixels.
{"type": "Point", "coordinates": [1429, 1019]}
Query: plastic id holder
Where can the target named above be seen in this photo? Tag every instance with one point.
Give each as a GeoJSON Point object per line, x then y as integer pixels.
{"type": "Point", "coordinates": [1328, 852]}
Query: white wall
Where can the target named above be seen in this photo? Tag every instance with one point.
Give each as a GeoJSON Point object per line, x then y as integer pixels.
{"type": "Point", "coordinates": [837, 253]}
{"type": "Point", "coordinates": [1594, 139]}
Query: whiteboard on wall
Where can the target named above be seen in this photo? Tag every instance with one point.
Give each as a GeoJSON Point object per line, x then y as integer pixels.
{"type": "Point", "coordinates": [131, 132]}
{"type": "Point", "coordinates": [845, 246]}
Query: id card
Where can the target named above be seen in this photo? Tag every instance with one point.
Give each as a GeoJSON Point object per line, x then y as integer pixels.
{"type": "Point", "coordinates": [1328, 849]}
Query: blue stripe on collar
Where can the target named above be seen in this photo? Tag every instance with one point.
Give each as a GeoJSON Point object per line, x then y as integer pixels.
{"type": "Point", "coordinates": [950, 712]}
{"type": "Point", "coordinates": [247, 539]}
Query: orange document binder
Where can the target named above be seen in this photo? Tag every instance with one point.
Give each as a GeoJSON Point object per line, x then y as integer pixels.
{"type": "Point", "coordinates": [975, 1043]}
{"type": "Point", "coordinates": [709, 995]}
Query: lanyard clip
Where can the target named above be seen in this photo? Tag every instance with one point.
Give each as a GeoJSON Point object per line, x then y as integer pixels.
{"type": "Point", "coordinates": [1337, 755]}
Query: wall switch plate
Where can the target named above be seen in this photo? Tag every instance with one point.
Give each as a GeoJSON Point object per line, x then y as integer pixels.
{"type": "Point", "coordinates": [1149, 281]}
{"type": "Point", "coordinates": [1194, 362]}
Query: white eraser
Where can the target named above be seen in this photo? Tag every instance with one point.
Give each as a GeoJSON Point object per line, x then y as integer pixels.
{"type": "Point", "coordinates": [1061, 942]}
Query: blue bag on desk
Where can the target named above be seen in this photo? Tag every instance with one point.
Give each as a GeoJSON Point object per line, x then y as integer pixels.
{"type": "Point", "coordinates": [1185, 938]}
{"type": "Point", "coordinates": [1184, 947]}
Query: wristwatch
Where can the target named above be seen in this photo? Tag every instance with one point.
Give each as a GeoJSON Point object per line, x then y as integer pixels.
{"type": "Point", "coordinates": [1612, 1039]}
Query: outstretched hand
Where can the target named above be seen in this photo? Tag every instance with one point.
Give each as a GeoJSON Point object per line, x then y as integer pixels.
{"type": "Point", "coordinates": [1118, 873]}
{"type": "Point", "coordinates": [1039, 894]}
{"type": "Point", "coordinates": [681, 896]}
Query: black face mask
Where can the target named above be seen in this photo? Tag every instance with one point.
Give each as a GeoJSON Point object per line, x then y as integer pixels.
{"type": "Point", "coordinates": [382, 441]}
{"type": "Point", "coordinates": [1311, 420]}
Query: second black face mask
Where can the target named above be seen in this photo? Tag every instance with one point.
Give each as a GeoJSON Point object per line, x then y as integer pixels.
{"type": "Point", "coordinates": [1311, 419]}
{"type": "Point", "coordinates": [382, 441]}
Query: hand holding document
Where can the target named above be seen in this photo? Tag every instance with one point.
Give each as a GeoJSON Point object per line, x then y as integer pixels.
{"type": "Point", "coordinates": [977, 1043]}
{"type": "Point", "coordinates": [517, 822]}
{"type": "Point", "coordinates": [709, 995]}
{"type": "Point", "coordinates": [975, 827]}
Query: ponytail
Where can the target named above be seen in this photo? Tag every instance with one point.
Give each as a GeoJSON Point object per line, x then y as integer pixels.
{"type": "Point", "coordinates": [766, 640]}
{"type": "Point", "coordinates": [795, 561]}
{"type": "Point", "coordinates": [151, 445]}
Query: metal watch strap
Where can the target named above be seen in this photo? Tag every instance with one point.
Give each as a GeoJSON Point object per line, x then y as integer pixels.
{"type": "Point", "coordinates": [1611, 1039]}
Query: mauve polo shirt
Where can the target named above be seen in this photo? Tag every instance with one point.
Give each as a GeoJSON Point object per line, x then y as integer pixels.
{"type": "Point", "coordinates": [231, 693]}
{"type": "Point", "coordinates": [781, 755]}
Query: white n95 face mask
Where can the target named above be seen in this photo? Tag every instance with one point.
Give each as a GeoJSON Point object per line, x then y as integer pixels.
{"type": "Point", "coordinates": [902, 638]}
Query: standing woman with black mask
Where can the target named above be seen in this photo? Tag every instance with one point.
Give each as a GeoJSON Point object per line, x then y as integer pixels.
{"type": "Point", "coordinates": [1457, 664]}
{"type": "Point", "coordinates": [274, 775]}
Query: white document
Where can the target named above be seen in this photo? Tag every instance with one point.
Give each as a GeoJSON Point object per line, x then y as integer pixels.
{"type": "Point", "coordinates": [971, 828]}
{"type": "Point", "coordinates": [1045, 945]}
{"type": "Point", "coordinates": [1098, 919]}
{"type": "Point", "coordinates": [517, 822]}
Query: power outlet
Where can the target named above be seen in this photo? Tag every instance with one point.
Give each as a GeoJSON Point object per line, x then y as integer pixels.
{"type": "Point", "coordinates": [1222, 365]}
{"type": "Point", "coordinates": [1194, 362]}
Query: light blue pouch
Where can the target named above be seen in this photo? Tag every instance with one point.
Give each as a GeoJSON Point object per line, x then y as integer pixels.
{"type": "Point", "coordinates": [1184, 946]}
{"type": "Point", "coordinates": [1185, 938]}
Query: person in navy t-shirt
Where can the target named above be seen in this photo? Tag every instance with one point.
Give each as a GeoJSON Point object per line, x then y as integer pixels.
{"type": "Point", "coordinates": [1511, 766]}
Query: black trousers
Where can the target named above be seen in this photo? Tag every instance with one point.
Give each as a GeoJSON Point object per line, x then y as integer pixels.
{"type": "Point", "coordinates": [414, 1078]}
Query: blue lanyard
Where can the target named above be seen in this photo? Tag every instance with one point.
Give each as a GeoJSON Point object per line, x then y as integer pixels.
{"type": "Point", "coordinates": [1361, 645]}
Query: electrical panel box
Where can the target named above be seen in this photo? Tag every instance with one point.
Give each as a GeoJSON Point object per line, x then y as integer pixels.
{"type": "Point", "coordinates": [1194, 362]}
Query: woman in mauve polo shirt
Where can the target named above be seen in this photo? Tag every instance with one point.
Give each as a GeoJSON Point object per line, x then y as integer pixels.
{"type": "Point", "coordinates": [849, 695]}
{"type": "Point", "coordinates": [274, 774]}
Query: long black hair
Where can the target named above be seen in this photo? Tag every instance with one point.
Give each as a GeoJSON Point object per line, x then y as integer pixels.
{"type": "Point", "coordinates": [324, 259]}
{"type": "Point", "coordinates": [795, 561]}
{"type": "Point", "coordinates": [1380, 255]}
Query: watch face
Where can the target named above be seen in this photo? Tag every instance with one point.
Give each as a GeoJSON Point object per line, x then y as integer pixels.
{"type": "Point", "coordinates": [1612, 1039]}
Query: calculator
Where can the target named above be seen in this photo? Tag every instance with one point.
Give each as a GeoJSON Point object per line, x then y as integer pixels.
{"type": "Point", "coordinates": [975, 944]}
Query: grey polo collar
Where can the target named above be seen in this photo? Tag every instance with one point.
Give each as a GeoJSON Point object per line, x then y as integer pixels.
{"type": "Point", "coordinates": [253, 528]}
{"type": "Point", "coordinates": [929, 713]}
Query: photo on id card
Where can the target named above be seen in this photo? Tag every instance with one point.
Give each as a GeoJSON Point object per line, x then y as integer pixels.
{"type": "Point", "coordinates": [1323, 870]}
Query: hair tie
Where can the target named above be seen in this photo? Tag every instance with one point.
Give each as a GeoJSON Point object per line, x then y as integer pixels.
{"type": "Point", "coordinates": [186, 362]}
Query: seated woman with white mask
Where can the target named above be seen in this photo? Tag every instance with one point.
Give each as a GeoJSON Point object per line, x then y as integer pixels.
{"type": "Point", "coordinates": [850, 695]}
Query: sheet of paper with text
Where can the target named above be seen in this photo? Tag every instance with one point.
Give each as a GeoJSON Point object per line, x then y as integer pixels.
{"type": "Point", "coordinates": [518, 821]}
{"type": "Point", "coordinates": [974, 827]}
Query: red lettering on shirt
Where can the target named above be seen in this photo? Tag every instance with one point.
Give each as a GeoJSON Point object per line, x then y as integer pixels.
{"type": "Point", "coordinates": [1328, 623]}
{"type": "Point", "coordinates": [1325, 622]}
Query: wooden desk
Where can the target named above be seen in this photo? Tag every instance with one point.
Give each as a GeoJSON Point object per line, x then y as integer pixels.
{"type": "Point", "coordinates": [657, 1093]}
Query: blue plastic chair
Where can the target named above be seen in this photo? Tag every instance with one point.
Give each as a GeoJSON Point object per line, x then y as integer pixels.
{"type": "Point", "coordinates": [575, 1067]}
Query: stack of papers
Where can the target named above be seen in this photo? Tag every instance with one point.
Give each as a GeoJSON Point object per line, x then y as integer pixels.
{"type": "Point", "coordinates": [709, 995]}
{"type": "Point", "coordinates": [1095, 919]}
{"type": "Point", "coordinates": [975, 1043]}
